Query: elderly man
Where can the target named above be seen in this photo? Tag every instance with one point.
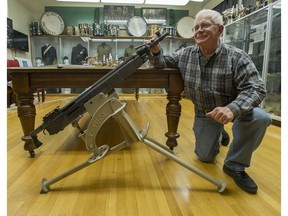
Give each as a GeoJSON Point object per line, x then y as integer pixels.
{"type": "Point", "coordinates": [224, 86]}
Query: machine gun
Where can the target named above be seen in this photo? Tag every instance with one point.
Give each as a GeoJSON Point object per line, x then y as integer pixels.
{"type": "Point", "coordinates": [59, 118]}
{"type": "Point", "coordinates": [102, 103]}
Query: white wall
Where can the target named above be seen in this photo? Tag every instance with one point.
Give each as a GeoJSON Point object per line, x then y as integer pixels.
{"type": "Point", "coordinates": [21, 15]}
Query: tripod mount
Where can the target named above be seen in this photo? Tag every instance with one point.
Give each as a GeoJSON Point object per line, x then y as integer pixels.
{"type": "Point", "coordinates": [102, 107]}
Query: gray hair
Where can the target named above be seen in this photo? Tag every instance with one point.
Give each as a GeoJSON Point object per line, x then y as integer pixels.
{"type": "Point", "coordinates": [214, 15]}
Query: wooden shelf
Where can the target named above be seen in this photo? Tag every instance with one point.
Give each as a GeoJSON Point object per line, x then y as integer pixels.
{"type": "Point", "coordinates": [107, 37]}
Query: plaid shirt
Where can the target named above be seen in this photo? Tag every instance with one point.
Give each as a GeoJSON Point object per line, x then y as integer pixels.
{"type": "Point", "coordinates": [228, 78]}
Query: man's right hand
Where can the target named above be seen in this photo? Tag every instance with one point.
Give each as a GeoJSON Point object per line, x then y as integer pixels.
{"type": "Point", "coordinates": [155, 49]}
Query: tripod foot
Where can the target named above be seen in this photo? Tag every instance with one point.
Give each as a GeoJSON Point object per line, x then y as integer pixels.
{"type": "Point", "coordinates": [222, 186]}
{"type": "Point", "coordinates": [45, 188]}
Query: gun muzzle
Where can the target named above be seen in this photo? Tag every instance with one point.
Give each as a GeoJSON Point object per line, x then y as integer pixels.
{"type": "Point", "coordinates": [36, 142]}
{"type": "Point", "coordinates": [33, 135]}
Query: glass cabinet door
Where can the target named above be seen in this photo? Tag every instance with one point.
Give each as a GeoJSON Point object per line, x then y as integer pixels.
{"type": "Point", "coordinates": [259, 34]}
{"type": "Point", "coordinates": [45, 51]}
{"type": "Point", "coordinates": [248, 34]}
{"type": "Point", "coordinates": [272, 103]}
{"type": "Point", "coordinates": [73, 50]}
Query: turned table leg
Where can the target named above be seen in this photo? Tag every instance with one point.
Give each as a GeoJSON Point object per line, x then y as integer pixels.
{"type": "Point", "coordinates": [173, 109]}
{"type": "Point", "coordinates": [26, 113]}
{"type": "Point", "coordinates": [173, 113]}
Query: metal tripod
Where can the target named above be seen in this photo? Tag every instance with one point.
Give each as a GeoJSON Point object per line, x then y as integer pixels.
{"type": "Point", "coordinates": [103, 107]}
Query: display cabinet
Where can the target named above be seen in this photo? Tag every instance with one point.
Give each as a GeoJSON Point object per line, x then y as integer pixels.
{"type": "Point", "coordinates": [259, 34]}
{"type": "Point", "coordinates": [98, 51]}
{"type": "Point", "coordinates": [120, 47]}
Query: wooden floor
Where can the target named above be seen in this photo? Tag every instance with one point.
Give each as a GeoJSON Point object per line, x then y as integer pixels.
{"type": "Point", "coordinates": [136, 180]}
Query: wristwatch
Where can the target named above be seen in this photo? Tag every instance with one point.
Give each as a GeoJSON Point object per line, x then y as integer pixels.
{"type": "Point", "coordinates": [52, 23]}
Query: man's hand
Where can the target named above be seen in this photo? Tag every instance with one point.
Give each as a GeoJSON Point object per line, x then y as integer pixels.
{"type": "Point", "coordinates": [221, 114]}
{"type": "Point", "coordinates": [155, 49]}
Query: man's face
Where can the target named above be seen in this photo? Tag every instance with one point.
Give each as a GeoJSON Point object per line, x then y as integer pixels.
{"type": "Point", "coordinates": [206, 32]}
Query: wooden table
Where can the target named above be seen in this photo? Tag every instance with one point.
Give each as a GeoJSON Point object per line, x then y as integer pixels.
{"type": "Point", "coordinates": [26, 80]}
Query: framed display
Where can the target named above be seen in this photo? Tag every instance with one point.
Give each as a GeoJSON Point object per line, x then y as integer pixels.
{"type": "Point", "coordinates": [23, 62]}
{"type": "Point", "coordinates": [20, 41]}
{"type": "Point", "coordinates": [9, 33]}
{"type": "Point", "coordinates": [154, 15]}
{"type": "Point", "coordinates": [118, 15]}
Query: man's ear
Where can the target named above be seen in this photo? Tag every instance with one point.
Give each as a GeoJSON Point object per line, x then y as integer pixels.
{"type": "Point", "coordinates": [220, 29]}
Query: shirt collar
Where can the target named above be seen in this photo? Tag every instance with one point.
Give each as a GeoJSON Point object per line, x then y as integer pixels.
{"type": "Point", "coordinates": [217, 51]}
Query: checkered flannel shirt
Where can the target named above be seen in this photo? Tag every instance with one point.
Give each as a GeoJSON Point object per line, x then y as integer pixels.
{"type": "Point", "coordinates": [228, 78]}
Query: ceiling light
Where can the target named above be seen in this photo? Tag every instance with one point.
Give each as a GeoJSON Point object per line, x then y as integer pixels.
{"type": "Point", "coordinates": [93, 1]}
{"type": "Point", "coordinates": [123, 1]}
{"type": "Point", "coordinates": [152, 2]}
{"type": "Point", "coordinates": [167, 2]}
{"type": "Point", "coordinates": [196, 0]}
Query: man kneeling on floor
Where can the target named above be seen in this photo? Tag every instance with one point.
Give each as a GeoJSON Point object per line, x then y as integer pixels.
{"type": "Point", "coordinates": [224, 86]}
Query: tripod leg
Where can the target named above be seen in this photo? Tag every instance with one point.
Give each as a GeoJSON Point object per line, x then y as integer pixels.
{"type": "Point", "coordinates": [92, 159]}
{"type": "Point", "coordinates": [159, 145]}
{"type": "Point", "coordinates": [131, 130]}
{"type": "Point", "coordinates": [154, 145]}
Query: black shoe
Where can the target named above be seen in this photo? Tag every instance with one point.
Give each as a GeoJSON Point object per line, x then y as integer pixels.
{"type": "Point", "coordinates": [242, 179]}
{"type": "Point", "coordinates": [225, 138]}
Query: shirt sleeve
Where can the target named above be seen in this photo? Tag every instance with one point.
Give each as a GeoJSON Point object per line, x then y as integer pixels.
{"type": "Point", "coordinates": [249, 85]}
{"type": "Point", "coordinates": [164, 61]}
